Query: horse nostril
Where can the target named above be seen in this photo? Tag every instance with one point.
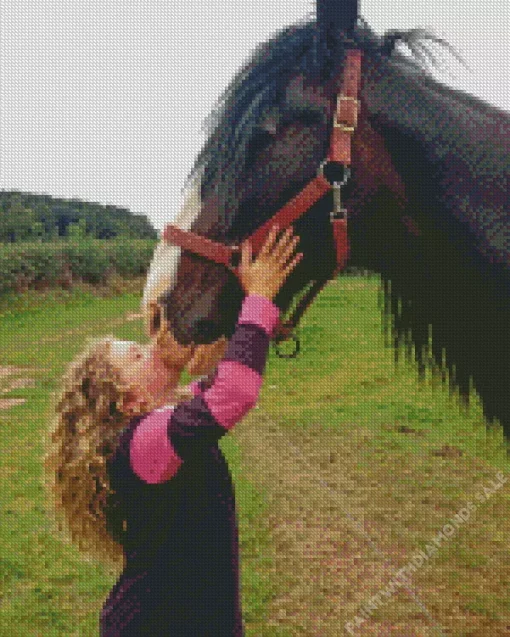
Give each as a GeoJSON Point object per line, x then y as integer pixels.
{"type": "Point", "coordinates": [204, 331]}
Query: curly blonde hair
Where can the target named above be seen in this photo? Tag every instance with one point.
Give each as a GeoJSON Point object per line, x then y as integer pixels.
{"type": "Point", "coordinates": [87, 419]}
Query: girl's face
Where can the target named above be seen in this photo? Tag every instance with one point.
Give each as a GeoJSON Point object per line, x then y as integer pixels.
{"type": "Point", "coordinates": [143, 369]}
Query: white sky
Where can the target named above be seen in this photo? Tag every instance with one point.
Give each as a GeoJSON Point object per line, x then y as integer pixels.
{"type": "Point", "coordinates": [103, 100]}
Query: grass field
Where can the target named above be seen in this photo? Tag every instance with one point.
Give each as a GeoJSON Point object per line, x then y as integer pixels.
{"type": "Point", "coordinates": [346, 469]}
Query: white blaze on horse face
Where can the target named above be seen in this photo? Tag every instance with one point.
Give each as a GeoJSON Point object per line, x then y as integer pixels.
{"type": "Point", "coordinates": [165, 260]}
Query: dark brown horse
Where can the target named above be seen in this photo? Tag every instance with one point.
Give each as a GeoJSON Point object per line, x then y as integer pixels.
{"type": "Point", "coordinates": [428, 199]}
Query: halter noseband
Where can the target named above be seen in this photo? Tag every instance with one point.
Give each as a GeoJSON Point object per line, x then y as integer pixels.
{"type": "Point", "coordinates": [344, 124]}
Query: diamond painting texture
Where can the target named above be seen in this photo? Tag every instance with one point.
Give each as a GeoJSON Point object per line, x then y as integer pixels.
{"type": "Point", "coordinates": [359, 488]}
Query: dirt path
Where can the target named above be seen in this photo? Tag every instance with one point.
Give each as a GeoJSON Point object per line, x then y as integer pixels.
{"type": "Point", "coordinates": [321, 556]}
{"type": "Point", "coordinates": [325, 565]}
{"type": "Point", "coordinates": [7, 384]}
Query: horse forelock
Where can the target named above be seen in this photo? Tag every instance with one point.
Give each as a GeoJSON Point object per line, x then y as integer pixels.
{"type": "Point", "coordinates": [162, 274]}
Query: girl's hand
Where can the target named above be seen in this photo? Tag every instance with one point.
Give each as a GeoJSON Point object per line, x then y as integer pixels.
{"type": "Point", "coordinates": [270, 269]}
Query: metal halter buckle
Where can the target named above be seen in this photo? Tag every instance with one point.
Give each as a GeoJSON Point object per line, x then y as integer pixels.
{"type": "Point", "coordinates": [342, 125]}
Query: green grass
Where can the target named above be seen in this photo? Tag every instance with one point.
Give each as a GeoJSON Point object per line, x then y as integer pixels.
{"type": "Point", "coordinates": [347, 372]}
{"type": "Point", "coordinates": [344, 380]}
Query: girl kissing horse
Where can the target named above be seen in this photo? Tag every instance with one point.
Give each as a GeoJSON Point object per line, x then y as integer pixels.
{"type": "Point", "coordinates": [428, 198]}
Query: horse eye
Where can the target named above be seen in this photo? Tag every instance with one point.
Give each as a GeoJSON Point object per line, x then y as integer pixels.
{"type": "Point", "coordinates": [306, 118]}
{"type": "Point", "coordinates": [261, 137]}
{"type": "Point", "coordinates": [309, 119]}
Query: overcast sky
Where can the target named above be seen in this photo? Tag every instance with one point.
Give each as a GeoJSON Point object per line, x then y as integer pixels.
{"type": "Point", "coordinates": [103, 100]}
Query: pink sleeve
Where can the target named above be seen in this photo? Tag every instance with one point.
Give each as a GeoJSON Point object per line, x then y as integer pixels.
{"type": "Point", "coordinates": [151, 454]}
{"type": "Point", "coordinates": [260, 311]}
{"type": "Point", "coordinates": [233, 394]}
{"type": "Point", "coordinates": [236, 387]}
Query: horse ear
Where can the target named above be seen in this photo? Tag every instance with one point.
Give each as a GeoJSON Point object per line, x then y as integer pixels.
{"type": "Point", "coordinates": [334, 17]}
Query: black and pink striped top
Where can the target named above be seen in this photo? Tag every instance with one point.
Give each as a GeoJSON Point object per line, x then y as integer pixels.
{"type": "Point", "coordinates": [175, 493]}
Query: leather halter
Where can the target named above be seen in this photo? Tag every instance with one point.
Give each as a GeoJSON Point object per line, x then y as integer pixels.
{"type": "Point", "coordinates": [344, 125]}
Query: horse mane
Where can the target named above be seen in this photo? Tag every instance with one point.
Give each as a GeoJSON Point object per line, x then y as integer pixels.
{"type": "Point", "coordinates": [259, 84]}
{"type": "Point", "coordinates": [446, 292]}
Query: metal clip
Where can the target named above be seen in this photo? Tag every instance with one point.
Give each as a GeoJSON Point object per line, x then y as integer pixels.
{"type": "Point", "coordinates": [337, 198]}
{"type": "Point", "coordinates": [338, 212]}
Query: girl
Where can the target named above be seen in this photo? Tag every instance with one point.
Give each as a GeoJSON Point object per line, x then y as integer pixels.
{"type": "Point", "coordinates": [143, 480]}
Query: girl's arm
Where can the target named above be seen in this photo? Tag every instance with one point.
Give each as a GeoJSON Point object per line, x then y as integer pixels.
{"type": "Point", "coordinates": [165, 438]}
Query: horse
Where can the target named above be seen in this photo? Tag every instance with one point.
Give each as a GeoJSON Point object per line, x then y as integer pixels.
{"type": "Point", "coordinates": [428, 199]}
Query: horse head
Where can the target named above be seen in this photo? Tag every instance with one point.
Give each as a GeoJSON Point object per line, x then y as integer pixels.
{"type": "Point", "coordinates": [269, 136]}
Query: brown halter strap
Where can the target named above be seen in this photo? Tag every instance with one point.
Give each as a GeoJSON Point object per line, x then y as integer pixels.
{"type": "Point", "coordinates": [344, 125]}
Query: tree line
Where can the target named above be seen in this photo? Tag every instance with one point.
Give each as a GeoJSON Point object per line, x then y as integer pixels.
{"type": "Point", "coordinates": [39, 217]}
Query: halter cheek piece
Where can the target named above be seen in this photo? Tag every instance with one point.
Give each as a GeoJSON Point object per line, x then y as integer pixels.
{"type": "Point", "coordinates": [339, 159]}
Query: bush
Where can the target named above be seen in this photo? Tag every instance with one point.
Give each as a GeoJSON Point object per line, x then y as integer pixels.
{"type": "Point", "coordinates": [59, 264]}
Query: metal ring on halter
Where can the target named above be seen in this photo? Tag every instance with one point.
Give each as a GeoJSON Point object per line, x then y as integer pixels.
{"type": "Point", "coordinates": [297, 344]}
{"type": "Point", "coordinates": [346, 175]}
